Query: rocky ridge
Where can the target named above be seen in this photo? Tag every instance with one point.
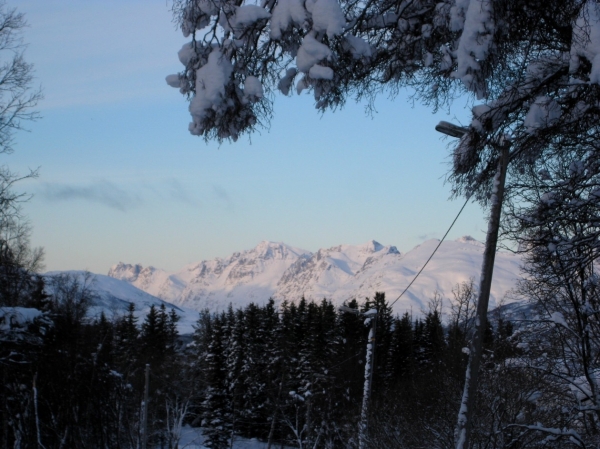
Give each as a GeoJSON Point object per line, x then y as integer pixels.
{"type": "Point", "coordinates": [338, 273]}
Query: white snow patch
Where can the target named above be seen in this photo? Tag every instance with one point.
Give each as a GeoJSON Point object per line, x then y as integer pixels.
{"type": "Point", "coordinates": [285, 83]}
{"type": "Point", "coordinates": [248, 15]}
{"type": "Point", "coordinates": [586, 41]}
{"type": "Point", "coordinates": [543, 112]}
{"type": "Point", "coordinates": [285, 14]}
{"type": "Point", "coordinates": [173, 81]}
{"type": "Point", "coordinates": [311, 52]}
{"type": "Point", "coordinates": [328, 18]}
{"type": "Point", "coordinates": [186, 53]}
{"type": "Point", "coordinates": [559, 319]}
{"type": "Point", "coordinates": [320, 72]}
{"type": "Point", "coordinates": [11, 317]}
{"type": "Point", "coordinates": [253, 90]}
{"type": "Point", "coordinates": [358, 47]}
{"type": "Point", "coordinates": [193, 438]}
{"type": "Point", "coordinates": [211, 80]}
{"type": "Point", "coordinates": [475, 40]}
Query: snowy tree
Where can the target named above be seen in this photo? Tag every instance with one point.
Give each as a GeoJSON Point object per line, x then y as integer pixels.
{"type": "Point", "coordinates": [558, 225]}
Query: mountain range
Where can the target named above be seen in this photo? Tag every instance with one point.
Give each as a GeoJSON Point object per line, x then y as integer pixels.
{"type": "Point", "coordinates": [340, 273]}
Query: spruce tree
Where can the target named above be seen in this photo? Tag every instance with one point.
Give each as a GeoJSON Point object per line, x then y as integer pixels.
{"type": "Point", "coordinates": [216, 406]}
{"type": "Point", "coordinates": [401, 364]}
{"type": "Point", "coordinates": [434, 343]}
{"type": "Point", "coordinates": [152, 338]}
{"type": "Point", "coordinates": [383, 339]}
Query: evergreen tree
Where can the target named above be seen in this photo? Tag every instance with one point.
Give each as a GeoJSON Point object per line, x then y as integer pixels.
{"type": "Point", "coordinates": [235, 358]}
{"type": "Point", "coordinates": [172, 331]}
{"type": "Point", "coordinates": [401, 365]}
{"type": "Point", "coordinates": [126, 336]}
{"type": "Point", "coordinates": [216, 407]}
{"type": "Point", "coordinates": [504, 347]}
{"type": "Point", "coordinates": [434, 343]}
{"type": "Point", "coordinates": [420, 343]}
{"type": "Point", "coordinates": [197, 355]}
{"type": "Point", "coordinates": [353, 337]}
{"type": "Point", "coordinates": [255, 370]}
{"type": "Point", "coordinates": [456, 356]}
{"type": "Point", "coordinates": [273, 371]}
{"type": "Point", "coordinates": [153, 338]}
{"type": "Point", "coordinates": [383, 339]}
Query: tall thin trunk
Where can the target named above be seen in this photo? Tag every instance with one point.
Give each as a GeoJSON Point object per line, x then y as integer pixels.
{"type": "Point", "coordinates": [466, 412]}
{"type": "Point", "coordinates": [35, 408]}
{"type": "Point", "coordinates": [369, 366]}
{"type": "Point", "coordinates": [145, 409]}
{"type": "Point", "coordinates": [272, 431]}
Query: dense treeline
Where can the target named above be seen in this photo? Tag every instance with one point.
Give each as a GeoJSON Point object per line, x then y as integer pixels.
{"type": "Point", "coordinates": [290, 374]}
{"type": "Point", "coordinates": [295, 375]}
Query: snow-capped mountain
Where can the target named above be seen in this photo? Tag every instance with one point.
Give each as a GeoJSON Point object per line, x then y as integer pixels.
{"type": "Point", "coordinates": [243, 277]}
{"type": "Point", "coordinates": [113, 296]}
{"type": "Point", "coordinates": [339, 273]}
{"type": "Point", "coordinates": [333, 273]}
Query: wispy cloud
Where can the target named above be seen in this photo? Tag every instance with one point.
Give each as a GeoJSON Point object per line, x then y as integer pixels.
{"type": "Point", "coordinates": [427, 236]}
{"type": "Point", "coordinates": [101, 192]}
{"type": "Point", "coordinates": [221, 195]}
{"type": "Point", "coordinates": [175, 191]}
{"type": "Point", "coordinates": [115, 196]}
{"type": "Point", "coordinates": [171, 190]}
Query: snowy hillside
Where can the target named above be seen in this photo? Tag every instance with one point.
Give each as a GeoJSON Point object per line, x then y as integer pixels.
{"type": "Point", "coordinates": [338, 273]}
{"type": "Point", "coordinates": [112, 296]}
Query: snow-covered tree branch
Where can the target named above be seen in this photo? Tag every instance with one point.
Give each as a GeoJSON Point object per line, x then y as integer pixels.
{"type": "Point", "coordinates": [533, 65]}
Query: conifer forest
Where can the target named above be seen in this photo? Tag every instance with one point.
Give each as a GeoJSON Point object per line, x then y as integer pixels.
{"type": "Point", "coordinates": [290, 375]}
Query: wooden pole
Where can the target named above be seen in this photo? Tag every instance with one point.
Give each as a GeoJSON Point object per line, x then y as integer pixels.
{"type": "Point", "coordinates": [465, 415]}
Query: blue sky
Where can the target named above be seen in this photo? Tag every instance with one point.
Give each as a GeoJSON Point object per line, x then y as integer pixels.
{"type": "Point", "coordinates": [121, 179]}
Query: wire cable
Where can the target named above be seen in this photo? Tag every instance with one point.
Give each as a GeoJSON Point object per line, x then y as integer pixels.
{"type": "Point", "coordinates": [432, 254]}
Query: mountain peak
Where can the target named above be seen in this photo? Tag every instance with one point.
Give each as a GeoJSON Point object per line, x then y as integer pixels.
{"type": "Point", "coordinates": [125, 271]}
{"type": "Point", "coordinates": [276, 250]}
{"type": "Point", "coordinates": [372, 246]}
{"type": "Point", "coordinates": [468, 239]}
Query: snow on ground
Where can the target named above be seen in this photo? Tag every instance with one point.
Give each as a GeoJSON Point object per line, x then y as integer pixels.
{"type": "Point", "coordinates": [192, 438]}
